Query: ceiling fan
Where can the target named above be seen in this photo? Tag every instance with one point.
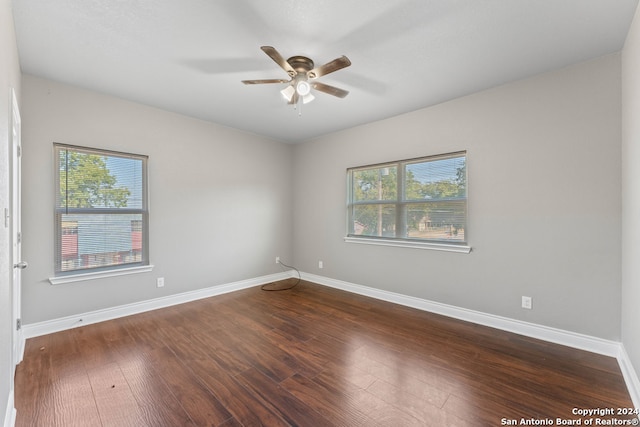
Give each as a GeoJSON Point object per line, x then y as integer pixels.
{"type": "Point", "coordinates": [303, 73]}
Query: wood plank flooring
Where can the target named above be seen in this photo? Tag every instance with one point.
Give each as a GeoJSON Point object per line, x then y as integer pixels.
{"type": "Point", "coordinates": [310, 356]}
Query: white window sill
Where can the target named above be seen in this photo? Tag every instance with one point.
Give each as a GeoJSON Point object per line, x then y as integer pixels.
{"type": "Point", "coordinates": [410, 244]}
{"type": "Point", "coordinates": [99, 275]}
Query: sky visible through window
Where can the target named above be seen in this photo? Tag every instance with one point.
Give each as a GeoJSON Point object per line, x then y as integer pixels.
{"type": "Point", "coordinates": [127, 172]}
{"type": "Point", "coordinates": [437, 170]}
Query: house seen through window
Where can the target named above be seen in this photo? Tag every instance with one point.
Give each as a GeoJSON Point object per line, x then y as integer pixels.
{"type": "Point", "coordinates": [421, 199]}
{"type": "Point", "coordinates": [101, 214]}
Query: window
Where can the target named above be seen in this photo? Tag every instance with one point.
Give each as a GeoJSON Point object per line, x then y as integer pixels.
{"type": "Point", "coordinates": [101, 214]}
{"type": "Point", "coordinates": [414, 201]}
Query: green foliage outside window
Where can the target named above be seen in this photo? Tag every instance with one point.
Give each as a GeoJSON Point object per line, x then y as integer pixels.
{"type": "Point", "coordinates": [86, 182]}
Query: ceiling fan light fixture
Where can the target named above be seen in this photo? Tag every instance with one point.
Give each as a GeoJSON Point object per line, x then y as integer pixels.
{"type": "Point", "coordinates": [308, 98]}
{"type": "Point", "coordinates": [288, 92]}
{"type": "Point", "coordinates": [303, 88]}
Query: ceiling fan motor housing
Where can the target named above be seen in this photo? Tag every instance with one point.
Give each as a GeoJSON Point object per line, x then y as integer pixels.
{"type": "Point", "coordinates": [301, 64]}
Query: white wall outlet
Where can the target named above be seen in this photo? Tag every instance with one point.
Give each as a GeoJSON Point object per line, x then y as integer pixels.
{"type": "Point", "coordinates": [526, 302]}
{"type": "Point", "coordinates": [320, 264]}
{"type": "Point", "coordinates": [160, 282]}
{"type": "Point", "coordinates": [277, 260]}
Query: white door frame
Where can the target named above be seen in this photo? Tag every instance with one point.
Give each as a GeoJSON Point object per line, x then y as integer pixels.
{"type": "Point", "coordinates": [16, 232]}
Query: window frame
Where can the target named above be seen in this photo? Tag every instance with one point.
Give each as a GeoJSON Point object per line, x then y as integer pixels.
{"type": "Point", "coordinates": [401, 204]}
{"type": "Point", "coordinates": [62, 276]}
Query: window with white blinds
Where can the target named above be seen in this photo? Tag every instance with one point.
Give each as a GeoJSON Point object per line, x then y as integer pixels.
{"type": "Point", "coordinates": [421, 200]}
{"type": "Point", "coordinates": [101, 212]}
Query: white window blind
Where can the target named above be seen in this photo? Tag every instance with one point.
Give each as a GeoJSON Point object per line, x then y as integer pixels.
{"type": "Point", "coordinates": [421, 199]}
{"type": "Point", "coordinates": [101, 212]}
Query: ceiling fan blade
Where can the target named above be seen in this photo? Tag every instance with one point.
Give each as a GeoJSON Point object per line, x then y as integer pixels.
{"type": "Point", "coordinates": [260, 82]}
{"type": "Point", "coordinates": [331, 90]}
{"type": "Point", "coordinates": [329, 67]}
{"type": "Point", "coordinates": [278, 59]}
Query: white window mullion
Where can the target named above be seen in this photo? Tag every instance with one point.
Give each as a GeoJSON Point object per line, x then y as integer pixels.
{"type": "Point", "coordinates": [401, 207]}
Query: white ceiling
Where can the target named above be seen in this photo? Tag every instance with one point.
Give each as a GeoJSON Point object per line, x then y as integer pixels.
{"type": "Point", "coordinates": [189, 56]}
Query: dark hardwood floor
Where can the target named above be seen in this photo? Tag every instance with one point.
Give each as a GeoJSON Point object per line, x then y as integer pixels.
{"type": "Point", "coordinates": [310, 356]}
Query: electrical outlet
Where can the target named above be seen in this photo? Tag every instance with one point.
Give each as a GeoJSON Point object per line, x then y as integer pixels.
{"type": "Point", "coordinates": [320, 264]}
{"type": "Point", "coordinates": [526, 302]}
{"type": "Point", "coordinates": [160, 282]}
{"type": "Point", "coordinates": [277, 260]}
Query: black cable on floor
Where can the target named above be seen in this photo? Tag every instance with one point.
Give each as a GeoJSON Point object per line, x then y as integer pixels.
{"type": "Point", "coordinates": [264, 287]}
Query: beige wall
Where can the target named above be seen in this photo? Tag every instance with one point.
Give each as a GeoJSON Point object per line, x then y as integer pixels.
{"type": "Point", "coordinates": [544, 201]}
{"type": "Point", "coordinates": [220, 199]}
{"type": "Point", "coordinates": [631, 193]}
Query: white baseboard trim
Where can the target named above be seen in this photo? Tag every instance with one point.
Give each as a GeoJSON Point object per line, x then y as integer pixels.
{"type": "Point", "coordinates": [10, 413]}
{"type": "Point", "coordinates": [630, 376]}
{"type": "Point", "coordinates": [558, 336]}
{"type": "Point", "coordinates": [69, 322]}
